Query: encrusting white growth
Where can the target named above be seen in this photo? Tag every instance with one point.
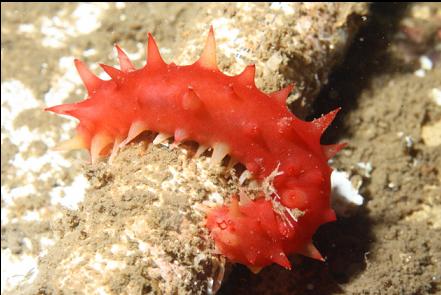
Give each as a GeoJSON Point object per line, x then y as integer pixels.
{"type": "Point", "coordinates": [344, 197]}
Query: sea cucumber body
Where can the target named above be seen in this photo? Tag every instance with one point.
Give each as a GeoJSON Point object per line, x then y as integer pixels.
{"type": "Point", "coordinates": [230, 114]}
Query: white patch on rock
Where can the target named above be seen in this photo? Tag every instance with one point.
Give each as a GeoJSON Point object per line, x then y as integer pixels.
{"type": "Point", "coordinates": [84, 20]}
{"type": "Point", "coordinates": [366, 167]}
{"type": "Point", "coordinates": [426, 63]}
{"type": "Point", "coordinates": [15, 98]}
{"type": "Point", "coordinates": [225, 30]}
{"type": "Point", "coordinates": [287, 8]}
{"type": "Point", "coordinates": [435, 93]}
{"type": "Point", "coordinates": [62, 85]}
{"type": "Point", "coordinates": [70, 196]}
{"type": "Point", "coordinates": [345, 198]}
{"type": "Point", "coordinates": [16, 270]}
{"type": "Point", "coordinates": [274, 62]}
{"type": "Point", "coordinates": [26, 28]}
{"type": "Point", "coordinates": [420, 73]}
{"type": "Point", "coordinates": [87, 16]}
{"type": "Point", "coordinates": [120, 5]}
{"type": "Point", "coordinates": [431, 134]}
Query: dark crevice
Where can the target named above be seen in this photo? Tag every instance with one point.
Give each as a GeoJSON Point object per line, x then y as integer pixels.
{"type": "Point", "coordinates": [366, 58]}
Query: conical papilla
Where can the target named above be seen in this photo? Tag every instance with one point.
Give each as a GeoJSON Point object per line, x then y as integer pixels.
{"type": "Point", "coordinates": [90, 80]}
{"type": "Point", "coordinates": [208, 56]}
{"type": "Point", "coordinates": [124, 61]}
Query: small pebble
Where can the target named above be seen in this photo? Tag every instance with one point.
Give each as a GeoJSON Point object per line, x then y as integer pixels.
{"type": "Point", "coordinates": [426, 63]}
{"type": "Point", "coordinates": [420, 73]}
{"type": "Point", "coordinates": [436, 95]}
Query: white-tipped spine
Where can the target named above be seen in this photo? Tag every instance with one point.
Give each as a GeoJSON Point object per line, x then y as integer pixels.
{"type": "Point", "coordinates": [244, 176]}
{"type": "Point", "coordinates": [135, 129]}
{"type": "Point", "coordinates": [161, 137]}
{"type": "Point", "coordinates": [220, 150]}
{"type": "Point", "coordinates": [201, 149]}
{"type": "Point", "coordinates": [99, 142]}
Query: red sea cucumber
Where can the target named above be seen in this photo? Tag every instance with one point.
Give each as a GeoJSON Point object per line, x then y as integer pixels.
{"type": "Point", "coordinates": [230, 114]}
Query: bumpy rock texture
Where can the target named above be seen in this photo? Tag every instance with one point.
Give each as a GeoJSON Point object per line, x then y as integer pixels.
{"type": "Point", "coordinates": [140, 228]}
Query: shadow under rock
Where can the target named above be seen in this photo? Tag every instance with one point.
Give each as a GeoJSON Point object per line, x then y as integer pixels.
{"type": "Point", "coordinates": [366, 58]}
{"type": "Point", "coordinates": [346, 242]}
